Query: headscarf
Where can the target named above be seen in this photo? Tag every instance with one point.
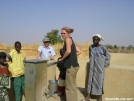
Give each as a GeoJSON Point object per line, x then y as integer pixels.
{"type": "Point", "coordinates": [98, 35]}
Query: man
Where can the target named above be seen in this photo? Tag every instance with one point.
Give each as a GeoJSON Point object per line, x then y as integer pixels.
{"type": "Point", "coordinates": [46, 51]}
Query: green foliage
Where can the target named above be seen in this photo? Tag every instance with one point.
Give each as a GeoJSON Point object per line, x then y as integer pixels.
{"type": "Point", "coordinates": [115, 47]}
{"type": "Point", "coordinates": [54, 36]}
{"type": "Point", "coordinates": [109, 46]}
{"type": "Point", "coordinates": [122, 47]}
{"type": "Point", "coordinates": [130, 47]}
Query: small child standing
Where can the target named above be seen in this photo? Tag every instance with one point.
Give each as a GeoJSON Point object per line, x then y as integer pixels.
{"type": "Point", "coordinates": [16, 68]}
{"type": "Point", "coordinates": [61, 79]}
{"type": "Point", "coordinates": [4, 78]}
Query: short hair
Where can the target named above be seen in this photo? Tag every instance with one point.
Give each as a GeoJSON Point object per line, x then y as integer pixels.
{"type": "Point", "coordinates": [3, 54]}
{"type": "Point", "coordinates": [17, 42]}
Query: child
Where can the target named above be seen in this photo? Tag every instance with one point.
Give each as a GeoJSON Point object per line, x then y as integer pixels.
{"type": "Point", "coordinates": [61, 80]}
{"type": "Point", "coordinates": [16, 68]}
{"type": "Point", "coordinates": [4, 78]}
{"type": "Point", "coordinates": [99, 59]}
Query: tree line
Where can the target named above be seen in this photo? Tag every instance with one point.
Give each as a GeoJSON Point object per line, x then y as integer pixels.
{"type": "Point", "coordinates": [130, 47]}
{"type": "Point", "coordinates": [55, 38]}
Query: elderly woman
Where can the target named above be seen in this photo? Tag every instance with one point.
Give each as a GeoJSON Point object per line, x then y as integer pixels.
{"type": "Point", "coordinates": [99, 59]}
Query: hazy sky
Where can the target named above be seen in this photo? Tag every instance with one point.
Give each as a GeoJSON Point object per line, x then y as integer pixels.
{"type": "Point", "coordinates": [28, 21]}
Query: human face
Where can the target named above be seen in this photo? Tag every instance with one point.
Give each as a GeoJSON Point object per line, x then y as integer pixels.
{"type": "Point", "coordinates": [2, 60]}
{"type": "Point", "coordinates": [61, 52]}
{"type": "Point", "coordinates": [96, 40]}
{"type": "Point", "coordinates": [18, 47]}
{"type": "Point", "coordinates": [46, 44]}
{"type": "Point", "coordinates": [64, 34]}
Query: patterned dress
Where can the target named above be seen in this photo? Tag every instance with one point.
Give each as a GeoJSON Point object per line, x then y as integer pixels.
{"type": "Point", "coordinates": [99, 59]}
{"type": "Point", "coordinates": [4, 83]}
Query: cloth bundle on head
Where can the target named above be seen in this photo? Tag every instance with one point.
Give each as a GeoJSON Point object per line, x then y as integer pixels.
{"type": "Point", "coordinates": [98, 35]}
{"type": "Point", "coordinates": [2, 54]}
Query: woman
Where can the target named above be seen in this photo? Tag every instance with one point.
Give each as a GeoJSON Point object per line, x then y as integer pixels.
{"type": "Point", "coordinates": [99, 59]}
{"type": "Point", "coordinates": [70, 63]}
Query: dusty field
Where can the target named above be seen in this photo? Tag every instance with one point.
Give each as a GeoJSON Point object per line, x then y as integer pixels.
{"type": "Point", "coordinates": [118, 60]}
{"type": "Point", "coordinates": [119, 76]}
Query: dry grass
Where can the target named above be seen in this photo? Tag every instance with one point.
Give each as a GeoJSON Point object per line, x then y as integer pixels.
{"type": "Point", "coordinates": [31, 50]}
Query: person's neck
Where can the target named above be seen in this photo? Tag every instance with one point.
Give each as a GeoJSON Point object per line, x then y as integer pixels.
{"type": "Point", "coordinates": [46, 46]}
{"type": "Point", "coordinates": [17, 51]}
{"type": "Point", "coordinates": [98, 45]}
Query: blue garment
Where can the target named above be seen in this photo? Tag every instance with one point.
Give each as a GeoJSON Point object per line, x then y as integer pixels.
{"type": "Point", "coordinates": [99, 59]}
{"type": "Point", "coordinates": [46, 52]}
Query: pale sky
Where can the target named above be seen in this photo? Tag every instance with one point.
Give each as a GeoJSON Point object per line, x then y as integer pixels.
{"type": "Point", "coordinates": [28, 21]}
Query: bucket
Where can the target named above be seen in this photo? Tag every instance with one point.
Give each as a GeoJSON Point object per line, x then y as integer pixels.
{"type": "Point", "coordinates": [53, 86]}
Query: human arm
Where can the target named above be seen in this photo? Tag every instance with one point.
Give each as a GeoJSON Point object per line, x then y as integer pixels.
{"type": "Point", "coordinates": [38, 55]}
{"type": "Point", "coordinates": [52, 57]}
{"type": "Point", "coordinates": [89, 52]}
{"type": "Point", "coordinates": [107, 58]}
{"type": "Point", "coordinates": [53, 54]}
{"type": "Point", "coordinates": [9, 58]}
{"type": "Point", "coordinates": [10, 61]}
{"type": "Point", "coordinates": [78, 51]}
{"type": "Point", "coordinates": [39, 52]}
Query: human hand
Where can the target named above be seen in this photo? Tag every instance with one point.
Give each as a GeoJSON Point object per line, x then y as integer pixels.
{"type": "Point", "coordinates": [52, 58]}
{"type": "Point", "coordinates": [36, 57]}
{"type": "Point", "coordinates": [60, 60]}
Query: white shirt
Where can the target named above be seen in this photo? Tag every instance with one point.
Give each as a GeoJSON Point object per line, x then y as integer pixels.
{"type": "Point", "coordinates": [46, 52]}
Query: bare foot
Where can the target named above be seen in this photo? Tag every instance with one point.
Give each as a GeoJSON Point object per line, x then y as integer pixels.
{"type": "Point", "coordinates": [87, 98]}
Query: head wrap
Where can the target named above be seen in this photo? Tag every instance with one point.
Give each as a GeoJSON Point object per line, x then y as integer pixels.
{"type": "Point", "coordinates": [98, 35]}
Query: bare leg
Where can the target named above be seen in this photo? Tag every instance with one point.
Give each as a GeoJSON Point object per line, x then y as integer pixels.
{"type": "Point", "coordinates": [99, 98]}
{"type": "Point", "coordinates": [88, 96]}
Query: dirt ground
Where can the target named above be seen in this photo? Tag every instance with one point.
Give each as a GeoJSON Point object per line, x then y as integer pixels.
{"type": "Point", "coordinates": [119, 77]}
{"type": "Point", "coordinates": [118, 60]}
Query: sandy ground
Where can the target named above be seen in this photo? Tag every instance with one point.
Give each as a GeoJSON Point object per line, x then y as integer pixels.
{"type": "Point", "coordinates": [124, 62]}
{"type": "Point", "coordinates": [118, 60]}
{"type": "Point", "coordinates": [121, 63]}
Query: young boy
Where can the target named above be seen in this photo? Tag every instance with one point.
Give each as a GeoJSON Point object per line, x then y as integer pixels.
{"type": "Point", "coordinates": [4, 78]}
{"type": "Point", "coordinates": [61, 80]}
{"type": "Point", "coordinates": [16, 68]}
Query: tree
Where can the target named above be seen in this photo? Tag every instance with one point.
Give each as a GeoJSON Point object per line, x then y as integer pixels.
{"type": "Point", "coordinates": [122, 47]}
{"type": "Point", "coordinates": [54, 37]}
{"type": "Point", "coordinates": [129, 47]}
{"type": "Point", "coordinates": [109, 46]}
{"type": "Point", "coordinates": [115, 47]}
